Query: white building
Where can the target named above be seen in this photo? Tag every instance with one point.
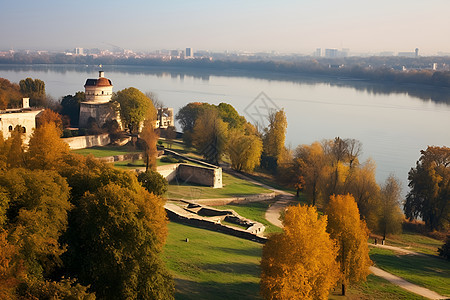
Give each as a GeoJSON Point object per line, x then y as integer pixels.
{"type": "Point", "coordinates": [24, 117]}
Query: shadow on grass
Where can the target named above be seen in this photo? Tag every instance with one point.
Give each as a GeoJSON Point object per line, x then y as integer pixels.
{"type": "Point", "coordinates": [255, 252]}
{"type": "Point", "coordinates": [187, 289]}
{"type": "Point", "coordinates": [233, 268]}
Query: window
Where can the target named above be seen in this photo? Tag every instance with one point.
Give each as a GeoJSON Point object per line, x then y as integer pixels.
{"type": "Point", "coordinates": [10, 128]}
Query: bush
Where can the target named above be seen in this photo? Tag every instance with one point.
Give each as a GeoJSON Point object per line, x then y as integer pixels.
{"type": "Point", "coordinates": [171, 159]}
{"type": "Point", "coordinates": [67, 133]}
{"type": "Point", "coordinates": [153, 182]}
{"type": "Point", "coordinates": [444, 251]}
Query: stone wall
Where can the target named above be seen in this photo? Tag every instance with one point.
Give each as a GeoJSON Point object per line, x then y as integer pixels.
{"type": "Point", "coordinates": [169, 172]}
{"type": "Point", "coordinates": [201, 175]}
{"type": "Point", "coordinates": [100, 112]}
{"type": "Point", "coordinates": [81, 142]}
{"type": "Point", "coordinates": [175, 216]}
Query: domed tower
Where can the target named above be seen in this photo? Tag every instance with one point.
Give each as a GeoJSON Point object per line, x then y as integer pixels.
{"type": "Point", "coordinates": [98, 90]}
{"type": "Point", "coordinates": [97, 106]}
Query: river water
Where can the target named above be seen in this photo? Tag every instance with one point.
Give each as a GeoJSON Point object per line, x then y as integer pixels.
{"type": "Point", "coordinates": [393, 122]}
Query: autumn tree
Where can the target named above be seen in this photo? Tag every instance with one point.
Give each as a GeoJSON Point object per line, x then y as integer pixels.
{"type": "Point", "coordinates": [15, 149]}
{"type": "Point", "coordinates": [210, 135]}
{"type": "Point", "coordinates": [10, 95]}
{"type": "Point", "coordinates": [244, 151]}
{"type": "Point", "coordinates": [275, 134]}
{"type": "Point", "coordinates": [429, 184]}
{"type": "Point", "coordinates": [134, 108]}
{"type": "Point", "coordinates": [124, 230]}
{"type": "Point", "coordinates": [366, 192]}
{"type": "Point", "coordinates": [299, 263]}
{"type": "Point", "coordinates": [49, 116]}
{"type": "Point", "coordinates": [33, 89]}
{"type": "Point", "coordinates": [45, 149]}
{"type": "Point", "coordinates": [150, 137]}
{"type": "Point", "coordinates": [38, 203]}
{"type": "Point", "coordinates": [310, 169]}
{"type": "Point", "coordinates": [351, 234]}
{"type": "Point", "coordinates": [390, 214]}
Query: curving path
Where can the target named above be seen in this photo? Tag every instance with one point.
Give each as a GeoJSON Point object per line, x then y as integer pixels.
{"type": "Point", "coordinates": [285, 199]}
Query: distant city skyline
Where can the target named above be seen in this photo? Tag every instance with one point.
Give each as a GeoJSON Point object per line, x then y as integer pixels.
{"type": "Point", "coordinates": [282, 26]}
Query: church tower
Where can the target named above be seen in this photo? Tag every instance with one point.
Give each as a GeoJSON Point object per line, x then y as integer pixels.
{"type": "Point", "coordinates": [97, 106]}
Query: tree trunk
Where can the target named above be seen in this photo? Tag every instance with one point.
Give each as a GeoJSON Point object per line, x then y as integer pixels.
{"type": "Point", "coordinates": [298, 192]}
{"type": "Point", "coordinates": [343, 289]}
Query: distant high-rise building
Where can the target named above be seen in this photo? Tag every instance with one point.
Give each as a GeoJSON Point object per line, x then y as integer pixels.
{"type": "Point", "coordinates": [189, 52]}
{"type": "Point", "coordinates": [417, 52]}
{"type": "Point", "coordinates": [318, 52]}
{"type": "Point", "coordinates": [79, 51]}
{"type": "Point", "coordinates": [331, 52]}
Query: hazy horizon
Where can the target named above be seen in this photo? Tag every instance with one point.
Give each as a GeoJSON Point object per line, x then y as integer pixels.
{"type": "Point", "coordinates": [282, 26]}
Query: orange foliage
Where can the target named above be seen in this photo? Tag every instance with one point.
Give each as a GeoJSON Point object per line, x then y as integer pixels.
{"type": "Point", "coordinates": [300, 262]}
{"type": "Point", "coordinates": [351, 234]}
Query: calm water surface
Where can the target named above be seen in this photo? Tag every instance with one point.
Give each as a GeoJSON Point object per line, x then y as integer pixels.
{"type": "Point", "coordinates": [393, 125]}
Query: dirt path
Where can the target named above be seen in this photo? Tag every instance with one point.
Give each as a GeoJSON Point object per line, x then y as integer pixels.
{"type": "Point", "coordinates": [285, 199]}
{"type": "Point", "coordinates": [406, 284]}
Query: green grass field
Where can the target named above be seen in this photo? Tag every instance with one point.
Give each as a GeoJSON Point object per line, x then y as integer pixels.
{"type": "Point", "coordinates": [254, 211]}
{"type": "Point", "coordinates": [233, 187]}
{"type": "Point", "coordinates": [376, 288]}
{"type": "Point", "coordinates": [427, 271]}
{"type": "Point", "coordinates": [415, 242]}
{"type": "Point", "coordinates": [217, 266]}
{"type": "Point", "coordinates": [107, 150]}
{"type": "Point", "coordinates": [212, 265]}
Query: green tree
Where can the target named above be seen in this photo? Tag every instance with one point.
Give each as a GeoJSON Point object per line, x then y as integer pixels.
{"type": "Point", "coordinates": [429, 184]}
{"type": "Point", "coordinates": [70, 106]}
{"type": "Point", "coordinates": [153, 182]}
{"type": "Point", "coordinates": [244, 151]}
{"type": "Point", "coordinates": [229, 115]}
{"type": "Point", "coordinates": [390, 214]}
{"type": "Point", "coordinates": [124, 231]}
{"type": "Point", "coordinates": [299, 263]}
{"type": "Point", "coordinates": [135, 107]}
{"type": "Point", "coordinates": [210, 135]}
{"type": "Point", "coordinates": [187, 116]}
{"type": "Point", "coordinates": [351, 234]}
{"type": "Point", "coordinates": [35, 90]}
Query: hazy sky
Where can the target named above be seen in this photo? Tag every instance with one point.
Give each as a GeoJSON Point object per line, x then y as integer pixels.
{"type": "Point", "coordinates": [283, 26]}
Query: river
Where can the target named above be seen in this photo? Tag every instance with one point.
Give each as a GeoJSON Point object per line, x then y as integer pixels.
{"type": "Point", "coordinates": [393, 122]}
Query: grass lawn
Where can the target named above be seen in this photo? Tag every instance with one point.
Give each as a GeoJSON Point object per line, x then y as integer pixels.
{"type": "Point", "coordinates": [254, 211]}
{"type": "Point", "coordinates": [233, 187]}
{"type": "Point", "coordinates": [217, 266]}
{"type": "Point", "coordinates": [375, 288]}
{"type": "Point", "coordinates": [107, 150]}
{"type": "Point", "coordinates": [212, 265]}
{"type": "Point", "coordinates": [427, 271]}
{"type": "Point", "coordinates": [415, 242]}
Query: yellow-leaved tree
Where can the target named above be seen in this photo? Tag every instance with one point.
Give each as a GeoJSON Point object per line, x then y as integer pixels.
{"type": "Point", "coordinates": [244, 151]}
{"type": "Point", "coordinates": [299, 263]}
{"type": "Point", "coordinates": [45, 149]}
{"type": "Point", "coordinates": [351, 234]}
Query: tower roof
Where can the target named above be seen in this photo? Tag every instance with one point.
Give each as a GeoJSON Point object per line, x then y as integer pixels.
{"type": "Point", "coordinates": [101, 81]}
